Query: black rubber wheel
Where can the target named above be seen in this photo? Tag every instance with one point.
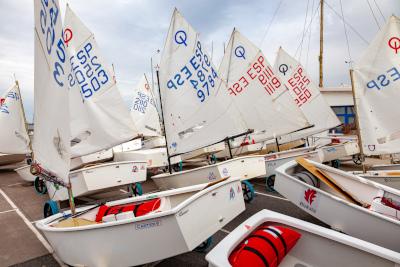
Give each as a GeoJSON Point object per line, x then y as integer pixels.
{"type": "Point", "coordinates": [248, 191]}
{"type": "Point", "coordinates": [269, 183]}
{"type": "Point", "coordinates": [357, 159]}
{"type": "Point", "coordinates": [136, 189]}
{"type": "Point", "coordinates": [40, 186]}
{"type": "Point", "coordinates": [204, 246]}
{"type": "Point", "coordinates": [335, 163]}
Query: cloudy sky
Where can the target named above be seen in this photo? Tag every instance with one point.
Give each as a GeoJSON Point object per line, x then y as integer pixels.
{"type": "Point", "coordinates": [129, 32]}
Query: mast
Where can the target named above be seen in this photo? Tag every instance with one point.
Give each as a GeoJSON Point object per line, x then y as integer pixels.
{"type": "Point", "coordinates": [357, 122]}
{"type": "Point", "coordinates": [163, 123]}
{"type": "Point", "coordinates": [24, 116]}
{"type": "Point", "coordinates": [321, 44]}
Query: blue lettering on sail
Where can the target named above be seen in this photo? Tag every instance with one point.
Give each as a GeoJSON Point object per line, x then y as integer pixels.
{"type": "Point", "coordinates": [87, 71]}
{"type": "Point", "coordinates": [198, 71]}
{"type": "Point", "coordinates": [382, 80]}
{"type": "Point", "coordinates": [48, 21]}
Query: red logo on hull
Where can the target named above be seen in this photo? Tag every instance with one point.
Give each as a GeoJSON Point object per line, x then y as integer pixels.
{"type": "Point", "coordinates": [309, 195]}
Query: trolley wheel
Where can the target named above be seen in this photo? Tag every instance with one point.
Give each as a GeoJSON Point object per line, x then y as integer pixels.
{"type": "Point", "coordinates": [248, 191]}
{"type": "Point", "coordinates": [269, 183]}
{"type": "Point", "coordinates": [50, 208]}
{"type": "Point", "coordinates": [212, 160]}
{"type": "Point", "coordinates": [136, 189]}
{"type": "Point", "coordinates": [357, 159]}
{"type": "Point", "coordinates": [204, 246]}
{"type": "Point", "coordinates": [178, 167]}
{"type": "Point", "coordinates": [335, 163]}
{"type": "Point", "coordinates": [40, 186]}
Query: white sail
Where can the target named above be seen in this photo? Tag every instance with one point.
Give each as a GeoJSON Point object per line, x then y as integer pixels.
{"type": "Point", "coordinates": [263, 100]}
{"type": "Point", "coordinates": [377, 91]}
{"type": "Point", "coordinates": [13, 136]}
{"type": "Point", "coordinates": [144, 111]}
{"type": "Point", "coordinates": [51, 145]}
{"type": "Point", "coordinates": [306, 94]}
{"type": "Point", "coordinates": [99, 117]}
{"type": "Point", "coordinates": [196, 107]}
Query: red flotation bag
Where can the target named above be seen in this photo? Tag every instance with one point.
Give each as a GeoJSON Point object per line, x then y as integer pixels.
{"type": "Point", "coordinates": [265, 246]}
{"type": "Point", "coordinates": [138, 209]}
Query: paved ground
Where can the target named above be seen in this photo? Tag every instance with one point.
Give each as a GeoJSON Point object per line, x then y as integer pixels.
{"type": "Point", "coordinates": [22, 245]}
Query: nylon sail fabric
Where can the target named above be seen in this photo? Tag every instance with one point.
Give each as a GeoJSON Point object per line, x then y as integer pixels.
{"type": "Point", "coordinates": [197, 110]}
{"type": "Point", "coordinates": [262, 98]}
{"type": "Point", "coordinates": [13, 136]}
{"type": "Point", "coordinates": [377, 91]}
{"type": "Point", "coordinates": [306, 95]}
{"type": "Point", "coordinates": [144, 110]}
{"type": "Point", "coordinates": [99, 117]}
{"type": "Point", "coordinates": [51, 144]}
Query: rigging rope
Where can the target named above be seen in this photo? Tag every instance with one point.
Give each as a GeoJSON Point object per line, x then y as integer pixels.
{"type": "Point", "coordinates": [380, 11]}
{"type": "Point", "coordinates": [270, 22]}
{"type": "Point", "coordinates": [304, 30]}
{"type": "Point", "coordinates": [348, 24]}
{"type": "Point", "coordinates": [308, 27]}
{"type": "Point", "coordinates": [345, 33]}
{"type": "Point", "coordinates": [309, 38]}
{"type": "Point", "coordinates": [373, 14]}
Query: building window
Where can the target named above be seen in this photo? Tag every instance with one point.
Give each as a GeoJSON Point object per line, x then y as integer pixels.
{"type": "Point", "coordinates": [346, 116]}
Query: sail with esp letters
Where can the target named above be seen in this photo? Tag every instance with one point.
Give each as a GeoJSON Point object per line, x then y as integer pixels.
{"type": "Point", "coordinates": [262, 98]}
{"type": "Point", "coordinates": [51, 144]}
{"type": "Point", "coordinates": [306, 95]}
{"type": "Point", "coordinates": [144, 111]}
{"type": "Point", "coordinates": [197, 110]}
{"type": "Point", "coordinates": [377, 91]}
{"type": "Point", "coordinates": [99, 117]}
{"type": "Point", "coordinates": [14, 138]}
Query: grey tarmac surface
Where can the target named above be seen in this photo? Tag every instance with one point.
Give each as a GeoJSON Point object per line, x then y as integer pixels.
{"type": "Point", "coordinates": [19, 246]}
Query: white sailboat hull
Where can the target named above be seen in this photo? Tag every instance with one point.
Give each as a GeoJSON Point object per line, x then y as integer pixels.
{"type": "Point", "coordinates": [241, 150]}
{"type": "Point", "coordinates": [155, 158]}
{"type": "Point", "coordinates": [96, 157]}
{"type": "Point", "coordinates": [339, 151]}
{"type": "Point", "coordinates": [275, 160]}
{"type": "Point", "coordinates": [339, 213]}
{"type": "Point", "coordinates": [245, 168]}
{"type": "Point", "coordinates": [386, 167]}
{"type": "Point", "coordinates": [385, 177]}
{"type": "Point", "coordinates": [151, 237]}
{"type": "Point", "coordinates": [8, 159]}
{"type": "Point", "coordinates": [154, 142]}
{"type": "Point", "coordinates": [317, 246]}
{"type": "Point", "coordinates": [25, 173]}
{"type": "Point", "coordinates": [98, 178]}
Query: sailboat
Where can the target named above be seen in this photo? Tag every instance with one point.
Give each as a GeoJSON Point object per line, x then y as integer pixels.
{"type": "Point", "coordinates": [145, 115]}
{"type": "Point", "coordinates": [375, 81]}
{"type": "Point", "coordinates": [157, 220]}
{"type": "Point", "coordinates": [98, 119]}
{"type": "Point", "coordinates": [309, 98]}
{"type": "Point", "coordinates": [348, 203]}
{"type": "Point", "coordinates": [249, 77]}
{"type": "Point", "coordinates": [14, 139]}
{"type": "Point", "coordinates": [205, 113]}
{"type": "Point", "coordinates": [252, 243]}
